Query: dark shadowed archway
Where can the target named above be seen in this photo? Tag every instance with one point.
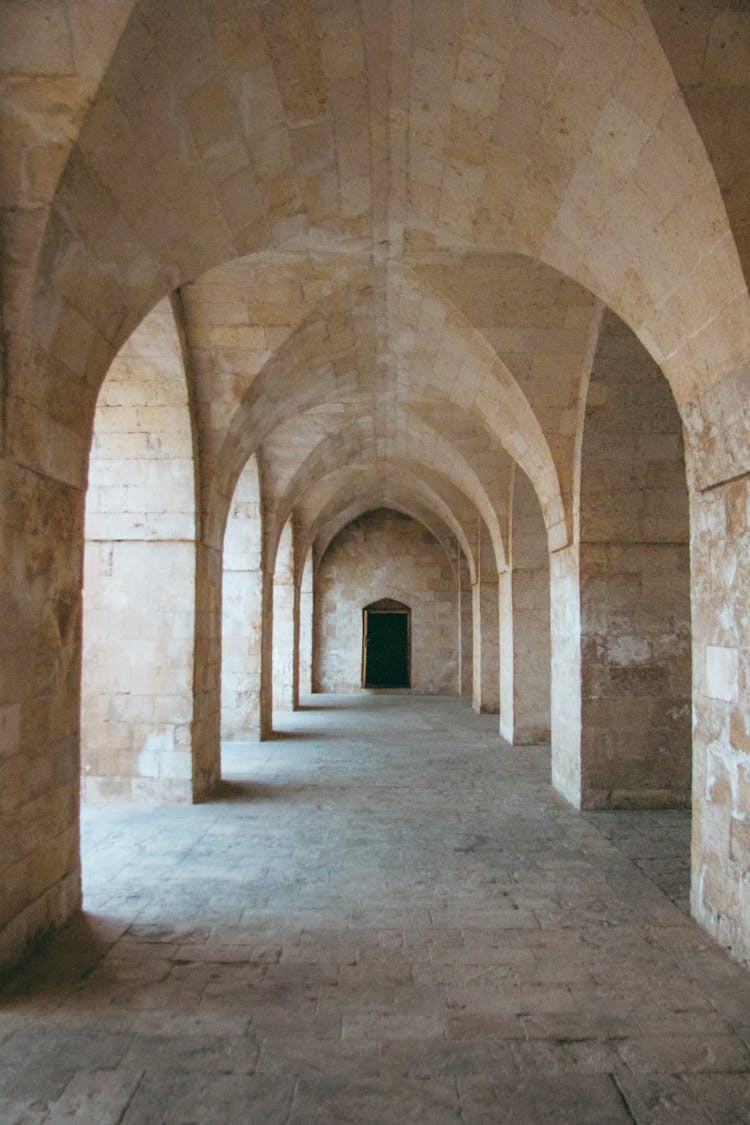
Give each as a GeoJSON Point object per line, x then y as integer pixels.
{"type": "Point", "coordinates": [386, 645]}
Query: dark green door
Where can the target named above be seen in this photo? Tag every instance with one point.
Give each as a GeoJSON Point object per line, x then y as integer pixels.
{"type": "Point", "coordinates": [386, 649]}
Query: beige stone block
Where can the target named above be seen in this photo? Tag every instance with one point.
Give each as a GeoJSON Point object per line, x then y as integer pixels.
{"type": "Point", "coordinates": [10, 730]}
{"type": "Point", "coordinates": [235, 337]}
{"type": "Point", "coordinates": [156, 791]}
{"type": "Point", "coordinates": [44, 444]}
{"type": "Point", "coordinates": [100, 1095]}
{"type": "Point", "coordinates": [36, 39]}
{"type": "Point", "coordinates": [242, 199]}
{"type": "Point", "coordinates": [44, 166]}
{"type": "Point", "coordinates": [175, 766]}
{"type": "Point", "coordinates": [727, 59]}
{"type": "Point", "coordinates": [260, 101]}
{"type": "Point", "coordinates": [106, 788]}
{"type": "Point", "coordinates": [739, 841]}
{"type": "Point", "coordinates": [342, 47]}
{"type": "Point", "coordinates": [722, 673]}
{"type": "Point", "coordinates": [274, 162]}
{"type": "Point", "coordinates": [620, 137]}
{"type": "Point", "coordinates": [477, 83]}
{"type": "Point", "coordinates": [553, 22]}
{"type": "Point", "coordinates": [210, 113]}
{"type": "Point", "coordinates": [740, 730]}
{"type": "Point", "coordinates": [241, 44]}
{"type": "Point", "coordinates": [356, 196]}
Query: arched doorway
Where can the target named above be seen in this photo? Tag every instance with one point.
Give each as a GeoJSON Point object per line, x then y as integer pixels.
{"type": "Point", "coordinates": [139, 625]}
{"type": "Point", "coordinates": [386, 645]}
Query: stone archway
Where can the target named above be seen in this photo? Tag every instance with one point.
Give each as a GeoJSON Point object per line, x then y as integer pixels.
{"type": "Point", "coordinates": [634, 584]}
{"type": "Point", "coordinates": [139, 574]}
{"type": "Point", "coordinates": [384, 552]}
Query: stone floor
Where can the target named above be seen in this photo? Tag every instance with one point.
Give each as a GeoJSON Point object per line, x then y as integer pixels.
{"type": "Point", "coordinates": [386, 917]}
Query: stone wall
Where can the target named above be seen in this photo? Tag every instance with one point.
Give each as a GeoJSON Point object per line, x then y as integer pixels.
{"type": "Point", "coordinates": [139, 576]}
{"type": "Point", "coordinates": [384, 554]}
{"type": "Point", "coordinates": [635, 583]}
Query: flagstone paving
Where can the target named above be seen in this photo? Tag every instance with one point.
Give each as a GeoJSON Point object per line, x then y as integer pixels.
{"type": "Point", "coordinates": [385, 916]}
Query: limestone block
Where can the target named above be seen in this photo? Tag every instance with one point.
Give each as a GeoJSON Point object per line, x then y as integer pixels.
{"type": "Point", "coordinates": [10, 730]}
{"type": "Point", "coordinates": [739, 842]}
{"type": "Point", "coordinates": [723, 344]}
{"type": "Point", "coordinates": [106, 789]}
{"type": "Point", "coordinates": [739, 730]}
{"type": "Point", "coordinates": [36, 39]}
{"type": "Point", "coordinates": [140, 526]}
{"type": "Point", "coordinates": [175, 765]}
{"type": "Point", "coordinates": [160, 791]}
{"type": "Point", "coordinates": [722, 673]}
{"type": "Point", "coordinates": [40, 442]}
{"type": "Point", "coordinates": [716, 429]}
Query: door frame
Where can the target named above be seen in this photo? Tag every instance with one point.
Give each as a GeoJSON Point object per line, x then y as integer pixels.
{"type": "Point", "coordinates": [386, 605]}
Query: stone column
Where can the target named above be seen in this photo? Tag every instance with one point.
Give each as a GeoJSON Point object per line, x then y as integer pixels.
{"type": "Point", "coordinates": [41, 536]}
{"type": "Point", "coordinates": [720, 548]}
{"type": "Point", "coordinates": [306, 628]}
{"type": "Point", "coordinates": [634, 581]}
{"type": "Point", "coordinates": [507, 669]}
{"type": "Point", "coordinates": [467, 640]}
{"type": "Point", "coordinates": [285, 626]}
{"type": "Point", "coordinates": [241, 611]}
{"type": "Point", "coordinates": [266, 656]}
{"type": "Point", "coordinates": [486, 633]}
{"type": "Point", "coordinates": [530, 612]}
{"type": "Point", "coordinates": [565, 672]}
{"type": "Point", "coordinates": [206, 734]}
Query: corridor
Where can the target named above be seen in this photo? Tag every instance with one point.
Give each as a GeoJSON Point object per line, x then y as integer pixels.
{"type": "Point", "coordinates": [385, 916]}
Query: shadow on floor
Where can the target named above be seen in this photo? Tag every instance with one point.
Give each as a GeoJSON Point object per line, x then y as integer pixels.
{"type": "Point", "coordinates": [63, 958]}
{"type": "Point", "coordinates": [229, 790]}
{"type": "Point", "coordinates": [241, 791]}
{"type": "Point", "coordinates": [318, 707]}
